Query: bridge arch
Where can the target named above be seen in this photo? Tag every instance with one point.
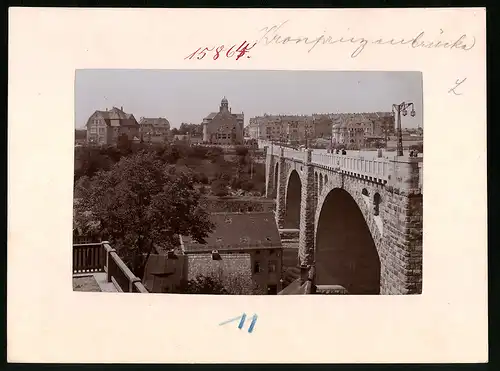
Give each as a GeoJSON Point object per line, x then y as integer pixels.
{"type": "Point", "coordinates": [346, 252]}
{"type": "Point", "coordinates": [293, 200]}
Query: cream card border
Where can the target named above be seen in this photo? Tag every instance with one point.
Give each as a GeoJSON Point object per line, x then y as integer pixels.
{"type": "Point", "coordinates": [47, 322]}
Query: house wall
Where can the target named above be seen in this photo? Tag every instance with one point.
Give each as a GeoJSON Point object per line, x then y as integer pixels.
{"type": "Point", "coordinates": [234, 270]}
{"type": "Point", "coordinates": [257, 263]}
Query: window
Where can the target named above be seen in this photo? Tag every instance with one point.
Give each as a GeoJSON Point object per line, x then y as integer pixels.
{"type": "Point", "coordinates": [272, 266]}
{"type": "Point", "coordinates": [93, 130]}
{"type": "Point", "coordinates": [101, 130]}
{"type": "Point", "coordinates": [256, 267]}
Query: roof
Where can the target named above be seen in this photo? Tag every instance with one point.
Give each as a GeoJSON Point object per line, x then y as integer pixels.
{"type": "Point", "coordinates": [161, 266]}
{"type": "Point", "coordinates": [125, 119]}
{"type": "Point", "coordinates": [297, 288]}
{"type": "Point", "coordinates": [157, 122]}
{"type": "Point", "coordinates": [211, 115]}
{"type": "Point", "coordinates": [224, 119]}
{"type": "Point", "coordinates": [238, 231]}
{"type": "Point", "coordinates": [233, 270]}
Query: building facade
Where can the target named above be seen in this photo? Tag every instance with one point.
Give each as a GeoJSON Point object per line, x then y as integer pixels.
{"type": "Point", "coordinates": [104, 127]}
{"type": "Point", "coordinates": [355, 130]}
{"type": "Point", "coordinates": [154, 127]}
{"type": "Point", "coordinates": [289, 128]}
{"type": "Point", "coordinates": [223, 127]}
{"type": "Point", "coordinates": [244, 248]}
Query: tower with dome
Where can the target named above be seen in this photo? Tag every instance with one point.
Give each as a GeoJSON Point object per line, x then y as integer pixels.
{"type": "Point", "coordinates": [223, 127]}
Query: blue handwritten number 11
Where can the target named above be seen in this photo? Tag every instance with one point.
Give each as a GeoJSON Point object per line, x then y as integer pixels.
{"type": "Point", "coordinates": [242, 319]}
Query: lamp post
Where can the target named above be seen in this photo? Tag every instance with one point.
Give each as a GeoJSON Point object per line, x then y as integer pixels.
{"type": "Point", "coordinates": [402, 108]}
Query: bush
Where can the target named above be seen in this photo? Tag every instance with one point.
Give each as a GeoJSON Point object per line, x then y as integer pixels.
{"type": "Point", "coordinates": [219, 188]}
{"type": "Point", "coordinates": [419, 147]}
{"type": "Point", "coordinates": [241, 150]}
{"type": "Point", "coordinates": [203, 178]}
{"type": "Point", "coordinates": [247, 185]}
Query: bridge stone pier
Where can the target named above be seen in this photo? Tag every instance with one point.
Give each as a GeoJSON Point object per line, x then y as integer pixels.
{"type": "Point", "coordinates": [359, 219]}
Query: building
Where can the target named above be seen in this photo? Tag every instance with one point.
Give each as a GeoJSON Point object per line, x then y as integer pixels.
{"type": "Point", "coordinates": [223, 127]}
{"type": "Point", "coordinates": [356, 130]}
{"type": "Point", "coordinates": [154, 127]}
{"type": "Point", "coordinates": [322, 124]}
{"type": "Point", "coordinates": [164, 272]}
{"type": "Point", "coordinates": [80, 136]}
{"type": "Point", "coordinates": [244, 249]}
{"type": "Point", "coordinates": [104, 127]}
{"type": "Point", "coordinates": [289, 128]}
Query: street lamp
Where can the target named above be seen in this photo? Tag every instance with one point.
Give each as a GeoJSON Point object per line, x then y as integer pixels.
{"type": "Point", "coordinates": [402, 108]}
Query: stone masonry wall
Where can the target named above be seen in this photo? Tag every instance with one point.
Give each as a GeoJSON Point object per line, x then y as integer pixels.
{"type": "Point", "coordinates": [281, 193]}
{"type": "Point", "coordinates": [397, 233]}
{"type": "Point", "coordinates": [403, 242]}
{"type": "Point", "coordinates": [307, 207]}
{"type": "Point", "coordinates": [270, 162]}
{"type": "Point", "coordinates": [233, 270]}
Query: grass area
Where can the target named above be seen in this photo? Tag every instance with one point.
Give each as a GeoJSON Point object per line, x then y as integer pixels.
{"type": "Point", "coordinates": [87, 283]}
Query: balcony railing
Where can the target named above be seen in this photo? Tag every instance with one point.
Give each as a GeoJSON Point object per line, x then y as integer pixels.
{"type": "Point", "coordinates": [101, 257]}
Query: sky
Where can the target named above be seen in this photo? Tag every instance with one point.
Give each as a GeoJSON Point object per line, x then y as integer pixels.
{"type": "Point", "coordinates": [190, 95]}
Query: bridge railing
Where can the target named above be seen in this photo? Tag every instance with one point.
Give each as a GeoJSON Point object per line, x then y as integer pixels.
{"type": "Point", "coordinates": [376, 167]}
{"type": "Point", "coordinates": [294, 154]}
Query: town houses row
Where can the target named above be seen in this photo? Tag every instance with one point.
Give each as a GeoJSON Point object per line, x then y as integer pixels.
{"type": "Point", "coordinates": [225, 127]}
{"type": "Point", "coordinates": [358, 129]}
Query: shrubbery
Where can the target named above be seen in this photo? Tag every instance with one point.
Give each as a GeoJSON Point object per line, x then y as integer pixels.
{"type": "Point", "coordinates": [207, 164]}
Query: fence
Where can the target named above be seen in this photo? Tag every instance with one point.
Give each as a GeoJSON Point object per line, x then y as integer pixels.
{"type": "Point", "coordinates": [101, 257]}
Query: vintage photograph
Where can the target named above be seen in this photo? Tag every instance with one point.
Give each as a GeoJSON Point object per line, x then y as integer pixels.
{"type": "Point", "coordinates": [231, 182]}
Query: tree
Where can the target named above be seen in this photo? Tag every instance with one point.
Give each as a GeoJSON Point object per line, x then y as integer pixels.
{"type": "Point", "coordinates": [220, 283]}
{"type": "Point", "coordinates": [192, 129]}
{"type": "Point", "coordinates": [219, 187]}
{"type": "Point", "coordinates": [241, 151]}
{"type": "Point", "coordinates": [124, 144]}
{"type": "Point", "coordinates": [140, 202]}
{"type": "Point", "coordinates": [203, 285]}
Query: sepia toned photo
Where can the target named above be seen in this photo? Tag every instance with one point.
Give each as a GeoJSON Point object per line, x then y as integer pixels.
{"type": "Point", "coordinates": [248, 182]}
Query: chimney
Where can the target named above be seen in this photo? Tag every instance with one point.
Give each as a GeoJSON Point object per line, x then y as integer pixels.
{"type": "Point", "coordinates": [106, 109]}
{"type": "Point", "coordinates": [121, 108]}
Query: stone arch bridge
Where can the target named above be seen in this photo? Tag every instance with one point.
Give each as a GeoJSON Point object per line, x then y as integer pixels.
{"type": "Point", "coordinates": [359, 219]}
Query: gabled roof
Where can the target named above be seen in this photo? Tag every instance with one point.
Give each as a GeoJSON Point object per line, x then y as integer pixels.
{"type": "Point", "coordinates": [156, 122]}
{"type": "Point", "coordinates": [213, 114]}
{"type": "Point", "coordinates": [125, 119]}
{"type": "Point", "coordinates": [238, 231]}
{"type": "Point", "coordinates": [223, 119]}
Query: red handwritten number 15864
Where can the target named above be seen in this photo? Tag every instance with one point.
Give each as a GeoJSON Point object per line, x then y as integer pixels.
{"type": "Point", "coordinates": [243, 49]}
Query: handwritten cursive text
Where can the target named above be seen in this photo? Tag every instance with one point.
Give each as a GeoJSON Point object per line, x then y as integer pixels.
{"type": "Point", "coordinates": [275, 35]}
{"type": "Point", "coordinates": [222, 51]}
{"type": "Point", "coordinates": [457, 84]}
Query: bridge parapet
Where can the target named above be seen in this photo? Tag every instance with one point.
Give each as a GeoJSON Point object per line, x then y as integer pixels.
{"type": "Point", "coordinates": [375, 168]}
{"type": "Point", "coordinates": [294, 154]}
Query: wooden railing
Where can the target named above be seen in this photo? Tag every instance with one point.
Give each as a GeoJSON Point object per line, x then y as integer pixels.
{"type": "Point", "coordinates": [101, 257]}
{"type": "Point", "coordinates": [88, 258]}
